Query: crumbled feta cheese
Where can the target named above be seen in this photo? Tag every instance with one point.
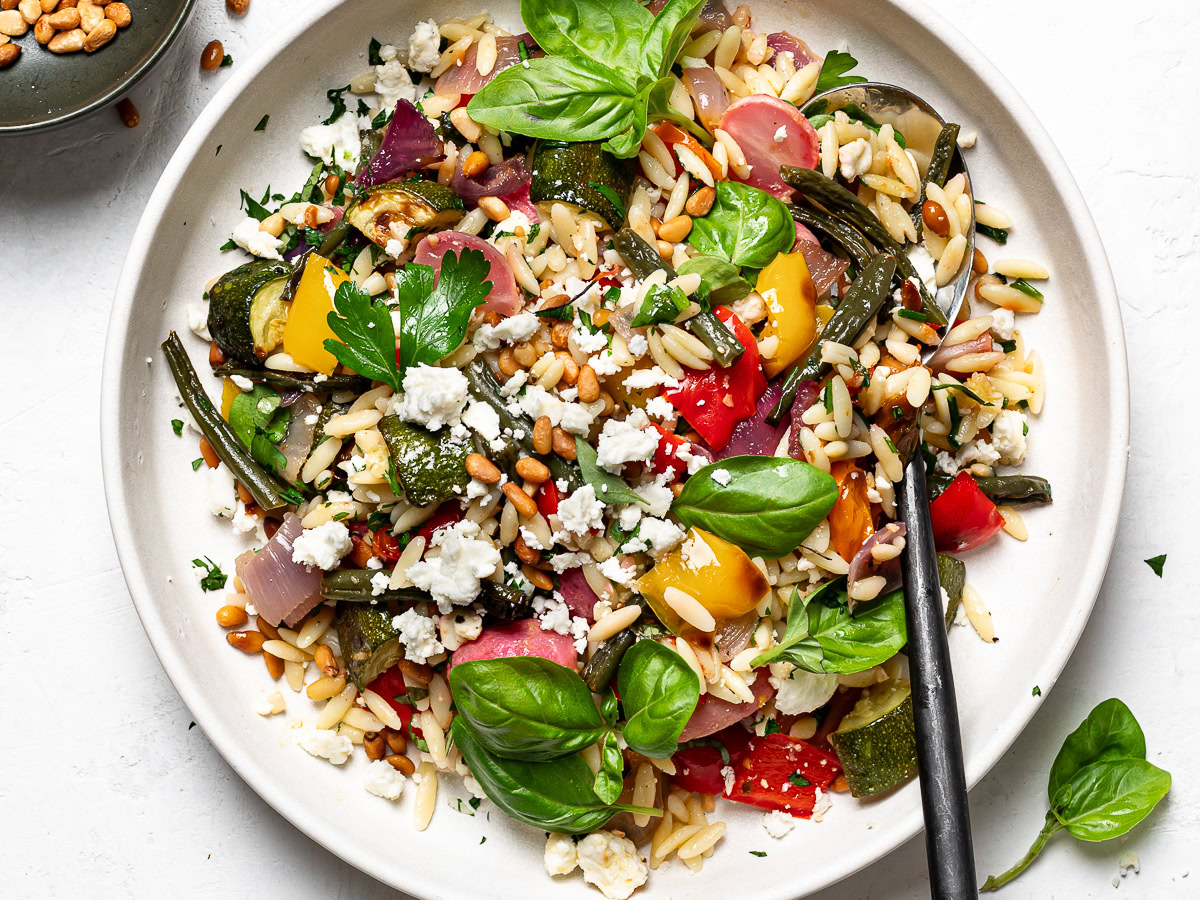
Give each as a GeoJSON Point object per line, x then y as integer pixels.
{"type": "Point", "coordinates": [326, 744]}
{"type": "Point", "coordinates": [612, 864]}
{"type": "Point", "coordinates": [802, 692]}
{"type": "Point", "coordinates": [516, 222]}
{"type": "Point", "coordinates": [222, 492]}
{"type": "Point", "coordinates": [751, 308]}
{"type": "Point", "coordinates": [467, 626]}
{"type": "Point", "coordinates": [780, 134]}
{"type": "Point", "coordinates": [638, 346]}
{"type": "Point", "coordinates": [625, 441]}
{"type": "Point", "coordinates": [1003, 323]}
{"type": "Point", "coordinates": [581, 511]}
{"type": "Point", "coordinates": [511, 330]}
{"type": "Point", "coordinates": [854, 158]}
{"type": "Point", "coordinates": [587, 341]}
{"type": "Point", "coordinates": [418, 634]}
{"type": "Point", "coordinates": [379, 583]}
{"type": "Point", "coordinates": [393, 84]}
{"type": "Point", "coordinates": [967, 139]}
{"type": "Point", "coordinates": [336, 144]}
{"type": "Point", "coordinates": [658, 535]}
{"type": "Point", "coordinates": [453, 577]}
{"type": "Point", "coordinates": [250, 238]}
{"type": "Point", "coordinates": [629, 516]}
{"type": "Point", "coordinates": [564, 561]}
{"type": "Point", "coordinates": [778, 824]}
{"type": "Point", "coordinates": [925, 265]}
{"type": "Point", "coordinates": [821, 806]}
{"type": "Point", "coordinates": [641, 379]}
{"type": "Point", "coordinates": [730, 776]}
{"type": "Point", "coordinates": [394, 248]}
{"type": "Point", "coordinates": [660, 408]}
{"type": "Point", "coordinates": [946, 463]}
{"type": "Point", "coordinates": [515, 383]}
{"type": "Point", "coordinates": [577, 418]}
{"type": "Point", "coordinates": [433, 396]}
{"type": "Point", "coordinates": [560, 856]}
{"type": "Point", "coordinates": [423, 43]}
{"type": "Point", "coordinates": [483, 420]}
{"type": "Point", "coordinates": [977, 451]}
{"type": "Point", "coordinates": [1008, 436]}
{"type": "Point", "coordinates": [530, 539]}
{"type": "Point", "coordinates": [612, 569]}
{"type": "Point", "coordinates": [197, 319]}
{"type": "Point", "coordinates": [695, 461]}
{"type": "Point", "coordinates": [269, 704]}
{"type": "Point", "coordinates": [323, 546]}
{"type": "Point", "coordinates": [383, 781]}
{"type": "Point", "coordinates": [721, 476]}
{"type": "Point", "coordinates": [603, 364]}
{"type": "Point", "coordinates": [244, 522]}
{"type": "Point", "coordinates": [657, 494]}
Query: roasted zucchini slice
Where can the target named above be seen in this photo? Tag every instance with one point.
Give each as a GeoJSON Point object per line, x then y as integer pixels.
{"type": "Point", "coordinates": [582, 174]}
{"type": "Point", "coordinates": [430, 467]}
{"type": "Point", "coordinates": [404, 210]}
{"type": "Point", "coordinates": [875, 742]}
{"type": "Point", "coordinates": [370, 645]}
{"type": "Point", "coordinates": [246, 310]}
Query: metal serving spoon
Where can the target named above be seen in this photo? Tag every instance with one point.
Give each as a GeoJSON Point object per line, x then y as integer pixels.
{"type": "Point", "coordinates": [939, 744]}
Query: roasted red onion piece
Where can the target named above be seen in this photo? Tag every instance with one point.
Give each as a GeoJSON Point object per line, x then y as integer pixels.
{"type": "Point", "coordinates": [981, 344]}
{"type": "Point", "coordinates": [782, 42]}
{"type": "Point", "coordinates": [806, 396]}
{"type": "Point", "coordinates": [734, 636]}
{"type": "Point", "coordinates": [708, 95]}
{"type": "Point", "coordinates": [465, 79]}
{"type": "Point", "coordinates": [511, 175]}
{"type": "Point", "coordinates": [297, 442]}
{"type": "Point", "coordinates": [712, 714]}
{"type": "Point", "coordinates": [754, 435]}
{"type": "Point", "coordinates": [409, 143]}
{"type": "Point", "coordinates": [281, 590]}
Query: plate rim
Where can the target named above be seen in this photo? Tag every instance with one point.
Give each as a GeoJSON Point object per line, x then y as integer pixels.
{"type": "Point", "coordinates": [116, 90]}
{"type": "Point", "coordinates": [235, 753]}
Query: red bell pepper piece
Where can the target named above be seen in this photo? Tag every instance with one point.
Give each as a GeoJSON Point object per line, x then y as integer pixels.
{"type": "Point", "coordinates": [547, 498]}
{"type": "Point", "coordinates": [666, 456]}
{"type": "Point", "coordinates": [714, 401]}
{"type": "Point", "coordinates": [389, 686]}
{"type": "Point", "coordinates": [963, 517]}
{"type": "Point", "coordinates": [774, 773]}
{"type": "Point", "coordinates": [700, 766]}
{"type": "Point", "coordinates": [385, 545]}
{"type": "Point", "coordinates": [448, 513]}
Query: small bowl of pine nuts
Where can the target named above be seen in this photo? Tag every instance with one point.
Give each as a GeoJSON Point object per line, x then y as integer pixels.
{"type": "Point", "coordinates": [62, 59]}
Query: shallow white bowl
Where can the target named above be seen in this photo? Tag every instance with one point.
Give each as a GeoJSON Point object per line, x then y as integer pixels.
{"type": "Point", "coordinates": [1040, 593]}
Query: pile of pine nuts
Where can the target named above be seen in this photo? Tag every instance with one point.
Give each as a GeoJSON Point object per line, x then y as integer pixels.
{"type": "Point", "coordinates": [62, 26]}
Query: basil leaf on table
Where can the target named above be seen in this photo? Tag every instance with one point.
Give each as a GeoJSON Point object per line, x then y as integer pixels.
{"type": "Point", "coordinates": [610, 781]}
{"type": "Point", "coordinates": [661, 304]}
{"type": "Point", "coordinates": [768, 505]}
{"type": "Point", "coordinates": [611, 490]}
{"type": "Point", "coordinates": [721, 278]}
{"type": "Point", "coordinates": [659, 692]}
{"type": "Point", "coordinates": [1109, 732]}
{"type": "Point", "coordinates": [745, 226]}
{"type": "Point", "coordinates": [608, 33]}
{"type": "Point", "coordinates": [551, 796]}
{"type": "Point", "coordinates": [823, 637]}
{"type": "Point", "coordinates": [526, 707]}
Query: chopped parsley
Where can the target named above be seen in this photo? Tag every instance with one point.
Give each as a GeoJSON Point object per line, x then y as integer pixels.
{"type": "Point", "coordinates": [1037, 691]}
{"type": "Point", "coordinates": [759, 853]}
{"type": "Point", "coordinates": [336, 97]}
{"type": "Point", "coordinates": [226, 62]}
{"type": "Point", "coordinates": [197, 463]}
{"type": "Point", "coordinates": [373, 56]}
{"type": "Point", "coordinates": [1156, 563]}
{"type": "Point", "coordinates": [214, 578]}
{"type": "Point", "coordinates": [177, 426]}
{"type": "Point", "coordinates": [262, 123]}
{"type": "Point", "coordinates": [799, 780]}
{"type": "Point", "coordinates": [1027, 289]}
{"type": "Point", "coordinates": [912, 314]}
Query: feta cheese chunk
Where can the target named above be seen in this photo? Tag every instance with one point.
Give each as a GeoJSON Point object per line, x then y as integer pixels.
{"type": "Point", "coordinates": [453, 577]}
{"type": "Point", "coordinates": [433, 396]}
{"type": "Point", "coordinates": [581, 511]}
{"type": "Point", "coordinates": [612, 864]}
{"type": "Point", "coordinates": [1003, 323]}
{"type": "Point", "coordinates": [560, 856]}
{"type": "Point", "coordinates": [393, 84]}
{"type": "Point", "coordinates": [326, 744]}
{"type": "Point", "coordinates": [778, 824]}
{"type": "Point", "coordinates": [626, 441]}
{"type": "Point", "coordinates": [418, 634]}
{"type": "Point", "coordinates": [423, 44]}
{"type": "Point", "coordinates": [854, 159]}
{"type": "Point", "coordinates": [322, 547]}
{"type": "Point", "coordinates": [336, 144]}
{"type": "Point", "coordinates": [221, 491]}
{"type": "Point", "coordinates": [483, 420]}
{"type": "Point", "coordinates": [384, 781]}
{"type": "Point", "coordinates": [197, 319]}
{"type": "Point", "coordinates": [259, 243]}
{"type": "Point", "coordinates": [511, 330]}
{"type": "Point", "coordinates": [269, 704]}
{"type": "Point", "coordinates": [1008, 436]}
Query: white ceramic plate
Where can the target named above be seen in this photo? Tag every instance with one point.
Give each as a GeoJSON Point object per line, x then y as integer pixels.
{"type": "Point", "coordinates": [1040, 592]}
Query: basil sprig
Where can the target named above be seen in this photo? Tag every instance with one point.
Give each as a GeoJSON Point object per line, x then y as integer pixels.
{"type": "Point", "coordinates": [611, 490]}
{"type": "Point", "coordinates": [661, 304]}
{"type": "Point", "coordinates": [746, 226]}
{"type": "Point", "coordinates": [1100, 785]}
{"type": "Point", "coordinates": [721, 283]}
{"type": "Point", "coordinates": [823, 637]}
{"type": "Point", "coordinates": [767, 506]}
{"type": "Point", "coordinates": [607, 70]}
{"type": "Point", "coordinates": [659, 692]}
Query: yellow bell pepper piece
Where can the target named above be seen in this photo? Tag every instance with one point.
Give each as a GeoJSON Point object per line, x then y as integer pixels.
{"type": "Point", "coordinates": [307, 327]}
{"type": "Point", "coordinates": [791, 300]}
{"type": "Point", "coordinates": [824, 313]}
{"type": "Point", "coordinates": [717, 573]}
{"type": "Point", "coordinates": [229, 392]}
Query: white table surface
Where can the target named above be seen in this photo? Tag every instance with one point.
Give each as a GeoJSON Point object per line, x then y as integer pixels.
{"type": "Point", "coordinates": [108, 791]}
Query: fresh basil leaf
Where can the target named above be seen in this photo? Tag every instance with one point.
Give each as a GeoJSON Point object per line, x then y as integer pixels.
{"type": "Point", "coordinates": [559, 98]}
{"type": "Point", "coordinates": [433, 319]}
{"type": "Point", "coordinates": [252, 410]}
{"type": "Point", "coordinates": [822, 637]}
{"type": "Point", "coordinates": [609, 706]}
{"type": "Point", "coordinates": [367, 340]}
{"type": "Point", "coordinates": [1109, 732]}
{"type": "Point", "coordinates": [1107, 798]}
{"type": "Point", "coordinates": [265, 452]}
{"type": "Point", "coordinates": [722, 279]}
{"type": "Point", "coordinates": [254, 208]}
{"type": "Point", "coordinates": [609, 33]}
{"type": "Point", "coordinates": [833, 72]}
{"type": "Point", "coordinates": [659, 692]}
{"type": "Point", "coordinates": [526, 707]}
{"type": "Point", "coordinates": [662, 304]}
{"type": "Point", "coordinates": [768, 505]}
{"type": "Point", "coordinates": [552, 796]}
{"type": "Point", "coordinates": [611, 490]}
{"type": "Point", "coordinates": [609, 781]}
{"type": "Point", "coordinates": [658, 107]}
{"type": "Point", "coordinates": [745, 226]}
{"type": "Point", "coordinates": [670, 30]}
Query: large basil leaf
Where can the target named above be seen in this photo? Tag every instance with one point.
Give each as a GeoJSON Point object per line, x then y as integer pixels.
{"type": "Point", "coordinates": [822, 637]}
{"type": "Point", "coordinates": [767, 506]}
{"type": "Point", "coordinates": [609, 33]}
{"type": "Point", "coordinates": [551, 796]}
{"type": "Point", "coordinates": [611, 490]}
{"type": "Point", "coordinates": [260, 424]}
{"type": "Point", "coordinates": [610, 781]}
{"type": "Point", "coordinates": [560, 98]}
{"type": "Point", "coordinates": [670, 30]}
{"type": "Point", "coordinates": [1109, 732]}
{"type": "Point", "coordinates": [746, 226]}
{"type": "Point", "coordinates": [526, 707]}
{"type": "Point", "coordinates": [720, 279]}
{"type": "Point", "coordinates": [1107, 798]}
{"type": "Point", "coordinates": [659, 692]}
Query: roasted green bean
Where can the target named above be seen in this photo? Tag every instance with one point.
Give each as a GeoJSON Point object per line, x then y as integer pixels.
{"type": "Point", "coordinates": [1006, 488]}
{"type": "Point", "coordinates": [354, 586]}
{"type": "Point", "coordinates": [296, 381]}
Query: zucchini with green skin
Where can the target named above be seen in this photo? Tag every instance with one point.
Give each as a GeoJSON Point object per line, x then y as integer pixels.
{"type": "Point", "coordinates": [847, 207]}
{"type": "Point", "coordinates": [296, 381]}
{"type": "Point", "coordinates": [354, 586]}
{"type": "Point", "coordinates": [404, 210]}
{"type": "Point", "coordinates": [246, 311]}
{"type": "Point", "coordinates": [430, 467]}
{"type": "Point", "coordinates": [952, 575]}
{"type": "Point", "coordinates": [876, 742]}
{"type": "Point", "coordinates": [643, 260]}
{"type": "Point", "coordinates": [265, 488]}
{"type": "Point", "coordinates": [938, 169]}
{"type": "Point", "coordinates": [602, 666]}
{"type": "Point", "coordinates": [484, 387]}
{"type": "Point", "coordinates": [503, 601]}
{"type": "Point", "coordinates": [1007, 488]}
{"type": "Point", "coordinates": [370, 645]}
{"type": "Point", "coordinates": [570, 172]}
{"type": "Point", "coordinates": [860, 305]}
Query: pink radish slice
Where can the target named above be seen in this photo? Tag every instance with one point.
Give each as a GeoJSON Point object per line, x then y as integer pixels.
{"type": "Point", "coordinates": [504, 299]}
{"type": "Point", "coordinates": [523, 637]}
{"type": "Point", "coordinates": [712, 714]}
{"type": "Point", "coordinates": [771, 133]}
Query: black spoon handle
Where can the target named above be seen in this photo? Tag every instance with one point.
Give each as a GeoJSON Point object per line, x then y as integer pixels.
{"type": "Point", "coordinates": [939, 745]}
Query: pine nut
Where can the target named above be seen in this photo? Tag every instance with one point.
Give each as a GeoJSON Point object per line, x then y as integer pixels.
{"type": "Point", "coordinates": [676, 229]}
{"type": "Point", "coordinates": [231, 616]}
{"type": "Point", "coordinates": [396, 740]}
{"type": "Point", "coordinates": [211, 55]}
{"type": "Point", "coordinates": [560, 334]}
{"type": "Point", "coordinates": [507, 363]}
{"type": "Point", "coordinates": [128, 112]}
{"type": "Point", "coordinates": [542, 429]}
{"type": "Point", "coordinates": [67, 41]}
{"type": "Point", "coordinates": [525, 553]}
{"type": "Point", "coordinates": [31, 10]}
{"type": "Point", "coordinates": [90, 16]}
{"type": "Point", "coordinates": [563, 443]}
{"type": "Point", "coordinates": [700, 202]}
{"type": "Point", "coordinates": [570, 368]}
{"type": "Point", "coordinates": [100, 35]}
{"type": "Point", "coordinates": [933, 214]}
{"type": "Point", "coordinates": [63, 20]}
{"type": "Point", "coordinates": [494, 208]}
{"type": "Point", "coordinates": [48, 5]}
{"type": "Point", "coordinates": [537, 578]}
{"type": "Point", "coordinates": [324, 659]}
{"type": "Point", "coordinates": [246, 641]}
{"type": "Point", "coordinates": [374, 745]}
{"type": "Point", "coordinates": [274, 664]}
{"type": "Point", "coordinates": [532, 470]}
{"type": "Point", "coordinates": [665, 249]}
{"type": "Point", "coordinates": [588, 385]}
{"type": "Point", "coordinates": [400, 763]}
{"type": "Point", "coordinates": [9, 54]}
{"type": "Point", "coordinates": [273, 224]}
{"type": "Point", "coordinates": [237, 7]}
{"type": "Point", "coordinates": [600, 317]}
{"type": "Point", "coordinates": [119, 13]}
{"type": "Point", "coordinates": [520, 500]}
{"type": "Point", "coordinates": [12, 23]}
{"type": "Point", "coordinates": [43, 31]}
{"type": "Point", "coordinates": [979, 263]}
{"type": "Point", "coordinates": [475, 164]}
{"type": "Point", "coordinates": [481, 468]}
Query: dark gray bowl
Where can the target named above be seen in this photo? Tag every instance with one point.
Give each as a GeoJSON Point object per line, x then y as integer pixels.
{"type": "Point", "coordinates": [43, 89]}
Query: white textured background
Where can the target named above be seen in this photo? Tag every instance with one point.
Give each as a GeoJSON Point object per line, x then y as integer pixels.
{"type": "Point", "coordinates": [105, 790]}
